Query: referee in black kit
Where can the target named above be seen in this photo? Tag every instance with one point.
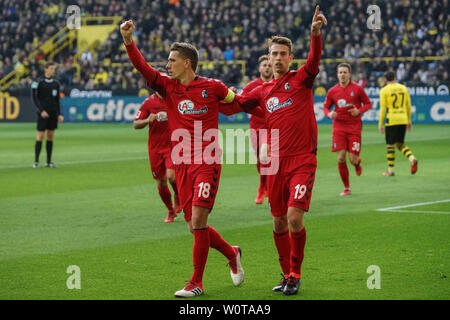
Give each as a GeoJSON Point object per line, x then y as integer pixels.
{"type": "Point", "coordinates": [45, 95]}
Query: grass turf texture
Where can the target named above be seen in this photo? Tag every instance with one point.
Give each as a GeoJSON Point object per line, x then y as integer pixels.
{"type": "Point", "coordinates": [100, 210]}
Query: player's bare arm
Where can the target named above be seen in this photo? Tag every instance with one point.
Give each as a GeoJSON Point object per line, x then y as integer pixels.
{"type": "Point", "coordinates": [142, 123]}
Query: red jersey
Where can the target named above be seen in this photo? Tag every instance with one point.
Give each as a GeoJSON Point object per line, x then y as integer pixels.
{"type": "Point", "coordinates": [345, 99]}
{"type": "Point", "coordinates": [192, 110]}
{"type": "Point", "coordinates": [158, 131]}
{"type": "Point", "coordinates": [255, 121]}
{"type": "Point", "coordinates": [288, 106]}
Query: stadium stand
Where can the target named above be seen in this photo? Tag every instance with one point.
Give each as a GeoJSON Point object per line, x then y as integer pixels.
{"type": "Point", "coordinates": [414, 40]}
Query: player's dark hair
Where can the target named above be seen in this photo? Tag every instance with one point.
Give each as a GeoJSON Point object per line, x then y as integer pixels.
{"type": "Point", "coordinates": [390, 76]}
{"type": "Point", "coordinates": [49, 64]}
{"type": "Point", "coordinates": [263, 58]}
{"type": "Point", "coordinates": [345, 65]}
{"type": "Point", "coordinates": [280, 40]}
{"type": "Point", "coordinates": [187, 51]}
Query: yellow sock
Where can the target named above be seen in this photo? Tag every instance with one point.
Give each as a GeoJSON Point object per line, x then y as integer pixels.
{"type": "Point", "coordinates": [390, 158]}
{"type": "Point", "coordinates": [408, 153]}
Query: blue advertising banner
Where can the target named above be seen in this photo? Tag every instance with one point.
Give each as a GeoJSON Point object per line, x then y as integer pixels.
{"type": "Point", "coordinates": [113, 109]}
{"type": "Point", "coordinates": [425, 109]}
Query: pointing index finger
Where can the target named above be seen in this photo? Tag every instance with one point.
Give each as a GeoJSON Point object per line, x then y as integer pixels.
{"type": "Point", "coordinates": [316, 13]}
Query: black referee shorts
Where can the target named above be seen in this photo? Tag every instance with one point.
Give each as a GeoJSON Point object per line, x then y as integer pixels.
{"type": "Point", "coordinates": [50, 123]}
{"type": "Point", "coordinates": [395, 134]}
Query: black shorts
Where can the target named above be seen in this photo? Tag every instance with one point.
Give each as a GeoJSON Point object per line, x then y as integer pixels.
{"type": "Point", "coordinates": [50, 123]}
{"type": "Point", "coordinates": [395, 134]}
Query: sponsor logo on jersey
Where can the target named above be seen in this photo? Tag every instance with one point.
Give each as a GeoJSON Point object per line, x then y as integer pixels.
{"type": "Point", "coordinates": [273, 104]}
{"type": "Point", "coordinates": [341, 103]}
{"type": "Point", "coordinates": [187, 107]}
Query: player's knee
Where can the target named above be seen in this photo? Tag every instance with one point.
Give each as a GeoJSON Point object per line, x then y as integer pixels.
{"type": "Point", "coordinates": [295, 219]}
{"type": "Point", "coordinates": [354, 160]}
{"type": "Point", "coordinates": [280, 224]}
{"type": "Point", "coordinates": [161, 183]}
{"type": "Point", "coordinates": [341, 156]}
{"type": "Point", "coordinates": [40, 136]}
{"type": "Point", "coordinates": [171, 176]}
{"type": "Point", "coordinates": [50, 135]}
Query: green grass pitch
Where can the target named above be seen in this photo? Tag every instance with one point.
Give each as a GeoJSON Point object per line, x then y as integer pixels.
{"type": "Point", "coordinates": [100, 210]}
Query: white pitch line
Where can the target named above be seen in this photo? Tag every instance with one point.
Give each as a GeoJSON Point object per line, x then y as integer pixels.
{"type": "Point", "coordinates": [396, 209]}
{"type": "Point", "coordinates": [417, 211]}
{"type": "Point", "coordinates": [78, 162]}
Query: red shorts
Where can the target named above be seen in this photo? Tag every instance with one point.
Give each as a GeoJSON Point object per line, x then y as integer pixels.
{"type": "Point", "coordinates": [160, 161]}
{"type": "Point", "coordinates": [197, 186]}
{"type": "Point", "coordinates": [346, 140]}
{"type": "Point", "coordinates": [292, 185]}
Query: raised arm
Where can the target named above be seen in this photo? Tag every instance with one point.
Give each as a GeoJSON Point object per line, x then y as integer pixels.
{"type": "Point", "coordinates": [312, 63]}
{"type": "Point", "coordinates": [151, 75]}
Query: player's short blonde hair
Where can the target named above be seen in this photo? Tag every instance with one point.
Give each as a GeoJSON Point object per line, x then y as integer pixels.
{"type": "Point", "coordinates": [345, 65]}
{"type": "Point", "coordinates": [280, 40]}
{"type": "Point", "coordinates": [263, 58]}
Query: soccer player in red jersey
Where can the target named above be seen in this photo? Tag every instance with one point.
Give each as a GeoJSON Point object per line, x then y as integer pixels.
{"type": "Point", "coordinates": [257, 123]}
{"type": "Point", "coordinates": [350, 102]}
{"type": "Point", "coordinates": [192, 111]}
{"type": "Point", "coordinates": [287, 101]}
{"type": "Point", "coordinates": [153, 113]}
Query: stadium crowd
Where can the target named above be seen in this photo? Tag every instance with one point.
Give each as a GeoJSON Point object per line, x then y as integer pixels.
{"type": "Point", "coordinates": [227, 31]}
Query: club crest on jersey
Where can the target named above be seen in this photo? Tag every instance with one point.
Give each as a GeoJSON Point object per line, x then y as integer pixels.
{"type": "Point", "coordinates": [273, 104]}
{"type": "Point", "coordinates": [352, 94]}
{"type": "Point", "coordinates": [204, 94]}
{"type": "Point", "coordinates": [287, 86]}
{"type": "Point", "coordinates": [187, 107]}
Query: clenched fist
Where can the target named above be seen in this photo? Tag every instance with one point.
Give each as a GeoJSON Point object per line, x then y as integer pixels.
{"type": "Point", "coordinates": [126, 29]}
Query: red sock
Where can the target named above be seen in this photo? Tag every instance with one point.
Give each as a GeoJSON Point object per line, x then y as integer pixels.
{"type": "Point", "coordinates": [343, 171]}
{"type": "Point", "coordinates": [298, 240]}
{"type": "Point", "coordinates": [166, 197]}
{"type": "Point", "coordinates": [200, 254]}
{"type": "Point", "coordinates": [283, 245]}
{"type": "Point", "coordinates": [218, 243]}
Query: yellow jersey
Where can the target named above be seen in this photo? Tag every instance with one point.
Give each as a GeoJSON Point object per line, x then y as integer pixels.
{"type": "Point", "coordinates": [395, 99]}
